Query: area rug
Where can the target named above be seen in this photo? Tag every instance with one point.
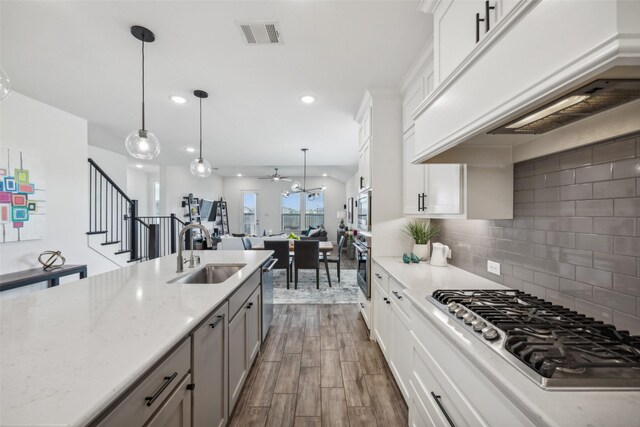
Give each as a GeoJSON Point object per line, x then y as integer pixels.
{"type": "Point", "coordinates": [345, 292]}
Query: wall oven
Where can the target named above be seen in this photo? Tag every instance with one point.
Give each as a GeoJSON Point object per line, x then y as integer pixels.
{"type": "Point", "coordinates": [363, 257]}
{"type": "Point", "coordinates": [364, 211]}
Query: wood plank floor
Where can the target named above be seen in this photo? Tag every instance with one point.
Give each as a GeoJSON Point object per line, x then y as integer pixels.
{"type": "Point", "coordinates": [319, 368]}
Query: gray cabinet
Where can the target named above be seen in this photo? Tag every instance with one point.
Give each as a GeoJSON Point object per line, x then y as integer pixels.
{"type": "Point", "coordinates": [176, 410]}
{"type": "Point", "coordinates": [244, 344]}
{"type": "Point", "coordinates": [209, 370]}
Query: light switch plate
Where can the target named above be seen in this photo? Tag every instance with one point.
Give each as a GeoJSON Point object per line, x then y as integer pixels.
{"type": "Point", "coordinates": [493, 267]}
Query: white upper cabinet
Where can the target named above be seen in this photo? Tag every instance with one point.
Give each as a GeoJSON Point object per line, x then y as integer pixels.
{"type": "Point", "coordinates": [444, 189]}
{"type": "Point", "coordinates": [533, 53]}
{"type": "Point", "coordinates": [413, 178]}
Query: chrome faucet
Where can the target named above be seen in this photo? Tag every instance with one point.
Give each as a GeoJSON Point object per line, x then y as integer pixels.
{"type": "Point", "coordinates": [207, 236]}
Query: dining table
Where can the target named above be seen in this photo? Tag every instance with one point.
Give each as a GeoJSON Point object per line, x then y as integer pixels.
{"type": "Point", "coordinates": [325, 249]}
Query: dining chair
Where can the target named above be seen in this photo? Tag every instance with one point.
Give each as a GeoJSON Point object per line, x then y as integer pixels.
{"type": "Point", "coordinates": [246, 242]}
{"type": "Point", "coordinates": [280, 250]}
{"type": "Point", "coordinates": [306, 257]}
{"type": "Point", "coordinates": [336, 259]}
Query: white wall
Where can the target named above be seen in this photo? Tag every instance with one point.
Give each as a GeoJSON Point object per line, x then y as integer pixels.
{"type": "Point", "coordinates": [61, 139]}
{"type": "Point", "coordinates": [139, 188]}
{"type": "Point", "coordinates": [177, 182]}
{"type": "Point", "coordinates": [269, 203]}
{"type": "Point", "coordinates": [114, 164]}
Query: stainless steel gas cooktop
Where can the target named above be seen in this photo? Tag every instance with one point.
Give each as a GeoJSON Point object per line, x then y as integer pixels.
{"type": "Point", "coordinates": [554, 346]}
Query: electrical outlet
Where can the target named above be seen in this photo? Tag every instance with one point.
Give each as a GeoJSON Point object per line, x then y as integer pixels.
{"type": "Point", "coordinates": [493, 267]}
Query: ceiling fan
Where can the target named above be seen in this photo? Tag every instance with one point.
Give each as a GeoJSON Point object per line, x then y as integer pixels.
{"type": "Point", "coordinates": [276, 177]}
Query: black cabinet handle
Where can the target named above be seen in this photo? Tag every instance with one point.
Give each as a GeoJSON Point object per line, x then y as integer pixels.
{"type": "Point", "coordinates": [165, 384]}
{"type": "Point", "coordinates": [385, 298]}
{"type": "Point", "coordinates": [478, 21]}
{"type": "Point", "coordinates": [487, 9]}
{"type": "Point", "coordinates": [191, 386]}
{"type": "Point", "coordinates": [437, 399]}
{"type": "Point", "coordinates": [388, 302]}
{"type": "Point", "coordinates": [396, 294]}
{"type": "Point", "coordinates": [362, 305]}
{"type": "Point", "coordinates": [250, 305]}
{"type": "Point", "coordinates": [218, 320]}
{"type": "Point", "coordinates": [419, 206]}
{"type": "Point", "coordinates": [362, 182]}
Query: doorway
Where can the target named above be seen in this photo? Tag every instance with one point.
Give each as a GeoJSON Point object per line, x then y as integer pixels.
{"type": "Point", "coordinates": [250, 219]}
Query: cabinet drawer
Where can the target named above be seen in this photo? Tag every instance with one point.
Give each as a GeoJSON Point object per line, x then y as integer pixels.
{"type": "Point", "coordinates": [443, 402]}
{"type": "Point", "coordinates": [145, 399]}
{"type": "Point", "coordinates": [396, 294]}
{"type": "Point", "coordinates": [451, 368]}
{"type": "Point", "coordinates": [365, 308]}
{"type": "Point", "coordinates": [243, 293]}
{"type": "Point", "coordinates": [380, 276]}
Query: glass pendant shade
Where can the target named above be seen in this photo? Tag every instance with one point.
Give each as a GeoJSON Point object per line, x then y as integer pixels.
{"type": "Point", "coordinates": [200, 168]}
{"type": "Point", "coordinates": [295, 186]}
{"type": "Point", "coordinates": [285, 194]}
{"type": "Point", "coordinates": [142, 144]}
{"type": "Point", "coordinates": [5, 85]}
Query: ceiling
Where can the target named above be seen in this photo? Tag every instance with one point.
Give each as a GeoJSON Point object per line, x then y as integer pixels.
{"type": "Point", "coordinates": [81, 58]}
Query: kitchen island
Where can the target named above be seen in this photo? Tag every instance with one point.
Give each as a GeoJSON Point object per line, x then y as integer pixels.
{"type": "Point", "coordinates": [446, 371]}
{"type": "Point", "coordinates": [67, 353]}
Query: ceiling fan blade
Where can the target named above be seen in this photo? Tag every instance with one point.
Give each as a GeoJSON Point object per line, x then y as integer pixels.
{"type": "Point", "coordinates": [284, 179]}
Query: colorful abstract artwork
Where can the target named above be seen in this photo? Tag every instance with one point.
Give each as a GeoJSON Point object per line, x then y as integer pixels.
{"type": "Point", "coordinates": [22, 196]}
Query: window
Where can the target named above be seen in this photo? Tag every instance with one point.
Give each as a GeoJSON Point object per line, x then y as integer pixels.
{"type": "Point", "coordinates": [291, 212]}
{"type": "Point", "coordinates": [250, 220]}
{"type": "Point", "coordinates": [156, 198]}
{"type": "Point", "coordinates": [295, 204]}
{"type": "Point", "coordinates": [314, 211]}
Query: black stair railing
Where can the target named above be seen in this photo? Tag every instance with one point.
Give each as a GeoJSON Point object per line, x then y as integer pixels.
{"type": "Point", "coordinates": [115, 215]}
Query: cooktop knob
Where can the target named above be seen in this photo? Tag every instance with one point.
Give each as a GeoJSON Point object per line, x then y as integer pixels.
{"type": "Point", "coordinates": [453, 306]}
{"type": "Point", "coordinates": [460, 312]}
{"type": "Point", "coordinates": [469, 318]}
{"type": "Point", "coordinates": [490, 333]}
{"type": "Point", "coordinates": [478, 325]}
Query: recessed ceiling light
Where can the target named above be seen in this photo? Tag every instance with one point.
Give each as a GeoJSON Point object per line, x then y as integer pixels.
{"type": "Point", "coordinates": [178, 99]}
{"type": "Point", "coordinates": [139, 166]}
{"type": "Point", "coordinates": [239, 174]}
{"type": "Point", "coordinates": [191, 149]}
{"type": "Point", "coordinates": [324, 174]}
{"type": "Point", "coordinates": [307, 99]}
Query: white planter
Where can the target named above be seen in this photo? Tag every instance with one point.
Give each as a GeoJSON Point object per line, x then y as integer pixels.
{"type": "Point", "coordinates": [422, 251]}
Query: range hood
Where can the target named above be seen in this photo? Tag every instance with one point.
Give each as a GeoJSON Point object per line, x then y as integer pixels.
{"type": "Point", "coordinates": [596, 97]}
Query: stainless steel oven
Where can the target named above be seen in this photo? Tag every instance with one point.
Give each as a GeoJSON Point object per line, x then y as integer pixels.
{"type": "Point", "coordinates": [363, 258]}
{"type": "Point", "coordinates": [364, 211]}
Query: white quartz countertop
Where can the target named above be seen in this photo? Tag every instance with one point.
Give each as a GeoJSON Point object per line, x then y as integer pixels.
{"type": "Point", "coordinates": [67, 352]}
{"type": "Point", "coordinates": [542, 407]}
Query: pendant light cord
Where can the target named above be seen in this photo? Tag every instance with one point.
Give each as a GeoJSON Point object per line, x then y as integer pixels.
{"type": "Point", "coordinates": [200, 128]}
{"type": "Point", "coordinates": [143, 123]}
{"type": "Point", "coordinates": [304, 178]}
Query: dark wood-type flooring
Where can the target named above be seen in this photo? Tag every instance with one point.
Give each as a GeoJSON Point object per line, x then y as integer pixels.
{"type": "Point", "coordinates": [319, 368]}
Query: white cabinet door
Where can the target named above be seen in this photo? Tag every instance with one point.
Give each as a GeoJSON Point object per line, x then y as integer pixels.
{"type": "Point", "coordinates": [176, 410]}
{"type": "Point", "coordinates": [361, 169]}
{"type": "Point", "coordinates": [238, 356]}
{"type": "Point", "coordinates": [412, 98]}
{"type": "Point", "coordinates": [253, 326]}
{"type": "Point", "coordinates": [381, 317]}
{"type": "Point", "coordinates": [400, 347]}
{"type": "Point", "coordinates": [455, 34]}
{"type": "Point", "coordinates": [413, 178]}
{"type": "Point", "coordinates": [367, 164]}
{"type": "Point", "coordinates": [209, 370]}
{"type": "Point", "coordinates": [444, 189]}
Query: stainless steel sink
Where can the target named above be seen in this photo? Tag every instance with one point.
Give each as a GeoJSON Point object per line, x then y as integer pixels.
{"type": "Point", "coordinates": [210, 273]}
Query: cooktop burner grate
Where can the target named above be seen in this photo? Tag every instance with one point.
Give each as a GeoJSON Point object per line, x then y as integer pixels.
{"type": "Point", "coordinates": [549, 338]}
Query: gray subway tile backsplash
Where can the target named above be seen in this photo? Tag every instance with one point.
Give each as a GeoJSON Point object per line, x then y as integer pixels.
{"type": "Point", "coordinates": [575, 236]}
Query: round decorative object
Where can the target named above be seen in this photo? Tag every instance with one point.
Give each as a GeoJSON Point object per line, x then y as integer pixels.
{"type": "Point", "coordinates": [142, 144]}
{"type": "Point", "coordinates": [414, 258]}
{"type": "Point", "coordinates": [51, 260]}
{"type": "Point", "coordinates": [406, 258]}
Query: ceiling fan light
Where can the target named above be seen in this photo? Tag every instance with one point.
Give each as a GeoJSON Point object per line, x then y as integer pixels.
{"type": "Point", "coordinates": [142, 144]}
{"type": "Point", "coordinates": [200, 168]}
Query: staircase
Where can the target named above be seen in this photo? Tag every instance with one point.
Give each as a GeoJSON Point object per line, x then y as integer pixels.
{"type": "Point", "coordinates": [117, 232]}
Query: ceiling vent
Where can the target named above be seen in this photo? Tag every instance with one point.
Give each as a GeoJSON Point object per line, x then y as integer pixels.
{"type": "Point", "coordinates": [255, 33]}
{"type": "Point", "coordinates": [594, 98]}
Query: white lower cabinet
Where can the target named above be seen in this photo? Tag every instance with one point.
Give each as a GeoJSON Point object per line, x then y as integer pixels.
{"type": "Point", "coordinates": [244, 344]}
{"type": "Point", "coordinates": [399, 340]}
{"type": "Point", "coordinates": [381, 318]}
{"type": "Point", "coordinates": [209, 366]}
{"type": "Point", "coordinates": [365, 307]}
{"type": "Point", "coordinates": [176, 410]}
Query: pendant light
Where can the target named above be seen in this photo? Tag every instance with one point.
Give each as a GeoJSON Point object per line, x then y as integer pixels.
{"type": "Point", "coordinates": [5, 85]}
{"type": "Point", "coordinates": [296, 187]}
{"type": "Point", "coordinates": [141, 143]}
{"type": "Point", "coordinates": [200, 167]}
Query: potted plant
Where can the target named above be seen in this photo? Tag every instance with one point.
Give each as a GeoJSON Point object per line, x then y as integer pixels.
{"type": "Point", "coordinates": [421, 233]}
